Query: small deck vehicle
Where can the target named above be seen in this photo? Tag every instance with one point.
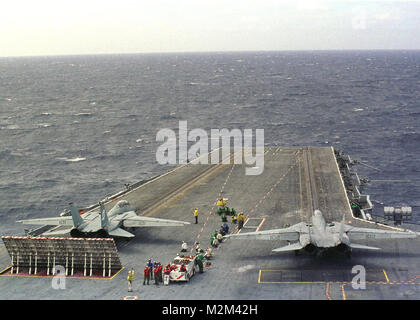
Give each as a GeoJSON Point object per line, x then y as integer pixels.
{"type": "Point", "coordinates": [183, 268]}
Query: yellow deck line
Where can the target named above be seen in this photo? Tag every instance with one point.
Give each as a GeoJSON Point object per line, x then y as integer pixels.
{"type": "Point", "coordinates": [4, 270]}
{"type": "Point", "coordinates": [117, 273]}
{"type": "Point", "coordinates": [386, 276]}
{"type": "Point", "coordinates": [343, 292]}
{"type": "Point", "coordinates": [298, 282]}
{"type": "Point", "coordinates": [327, 291]}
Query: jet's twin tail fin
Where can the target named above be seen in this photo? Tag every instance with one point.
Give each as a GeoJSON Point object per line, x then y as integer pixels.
{"type": "Point", "coordinates": [104, 217]}
{"type": "Point", "coordinates": [77, 219]}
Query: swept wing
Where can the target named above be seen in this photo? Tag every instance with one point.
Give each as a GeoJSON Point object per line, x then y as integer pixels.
{"type": "Point", "coordinates": [356, 233]}
{"type": "Point", "coordinates": [130, 219]}
{"type": "Point", "coordinates": [59, 221]}
{"type": "Point", "coordinates": [291, 233]}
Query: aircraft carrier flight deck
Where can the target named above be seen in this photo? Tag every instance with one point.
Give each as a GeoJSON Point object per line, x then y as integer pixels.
{"type": "Point", "coordinates": [295, 181]}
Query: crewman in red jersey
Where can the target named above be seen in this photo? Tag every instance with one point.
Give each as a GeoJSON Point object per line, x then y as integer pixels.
{"type": "Point", "coordinates": [167, 269]}
{"type": "Point", "coordinates": [160, 272]}
{"type": "Point", "coordinates": [146, 275]}
{"type": "Point", "coordinates": [156, 275]}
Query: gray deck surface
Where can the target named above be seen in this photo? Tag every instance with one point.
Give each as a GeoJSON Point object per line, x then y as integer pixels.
{"type": "Point", "coordinates": [294, 180]}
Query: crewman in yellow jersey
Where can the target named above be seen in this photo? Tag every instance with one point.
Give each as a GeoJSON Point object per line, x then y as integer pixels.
{"type": "Point", "coordinates": [196, 215]}
{"type": "Point", "coordinates": [241, 220]}
{"type": "Point", "coordinates": [221, 202]}
{"type": "Point", "coordinates": [130, 279]}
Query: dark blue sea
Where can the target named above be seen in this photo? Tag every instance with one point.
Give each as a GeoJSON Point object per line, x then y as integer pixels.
{"type": "Point", "coordinates": [77, 128]}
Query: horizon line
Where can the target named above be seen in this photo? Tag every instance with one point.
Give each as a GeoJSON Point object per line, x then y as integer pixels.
{"type": "Point", "coordinates": [194, 52]}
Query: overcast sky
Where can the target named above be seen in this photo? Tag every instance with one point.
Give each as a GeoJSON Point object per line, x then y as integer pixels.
{"type": "Point", "coordinates": [51, 27]}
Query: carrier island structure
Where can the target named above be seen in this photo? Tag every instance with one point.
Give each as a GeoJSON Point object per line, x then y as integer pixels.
{"type": "Point", "coordinates": [293, 180]}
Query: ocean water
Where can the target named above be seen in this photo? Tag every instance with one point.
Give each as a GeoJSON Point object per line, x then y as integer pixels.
{"type": "Point", "coordinates": [77, 128]}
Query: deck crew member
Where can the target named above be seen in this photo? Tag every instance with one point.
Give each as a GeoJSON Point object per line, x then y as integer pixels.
{"type": "Point", "coordinates": [199, 261]}
{"type": "Point", "coordinates": [234, 219]}
{"type": "Point", "coordinates": [160, 272]}
{"type": "Point", "coordinates": [146, 277]}
{"type": "Point", "coordinates": [225, 228]}
{"type": "Point", "coordinates": [213, 241]}
{"type": "Point", "coordinates": [207, 255]}
{"type": "Point", "coordinates": [155, 265]}
{"type": "Point", "coordinates": [221, 202]}
{"type": "Point", "coordinates": [156, 275]}
{"type": "Point", "coordinates": [166, 272]}
{"type": "Point", "coordinates": [196, 215]}
{"type": "Point", "coordinates": [241, 220]}
{"type": "Point", "coordinates": [198, 248]}
{"type": "Point", "coordinates": [184, 246]}
{"type": "Point", "coordinates": [130, 279]}
{"type": "Point", "coordinates": [150, 265]}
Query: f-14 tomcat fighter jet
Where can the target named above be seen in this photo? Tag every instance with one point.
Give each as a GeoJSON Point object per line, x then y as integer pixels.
{"type": "Point", "coordinates": [102, 224]}
{"type": "Point", "coordinates": [319, 236]}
